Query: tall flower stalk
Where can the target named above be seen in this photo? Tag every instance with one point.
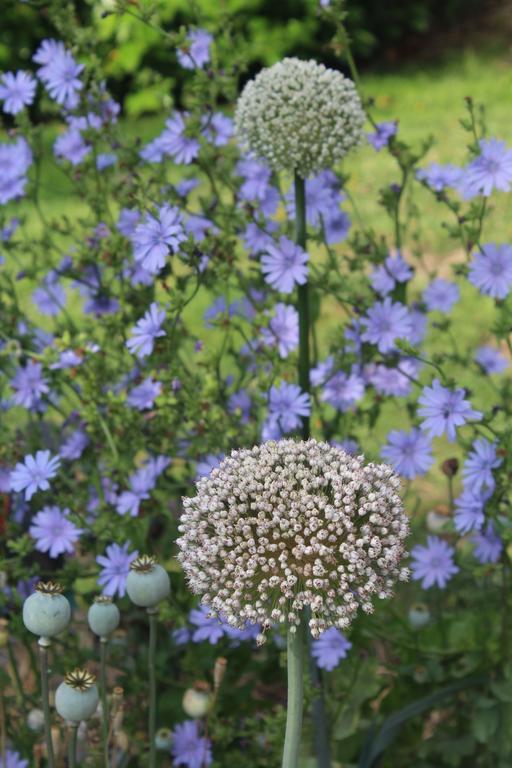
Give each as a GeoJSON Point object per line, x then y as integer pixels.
{"type": "Point", "coordinates": [45, 696]}
{"type": "Point", "coordinates": [318, 706]}
{"type": "Point", "coordinates": [295, 669]}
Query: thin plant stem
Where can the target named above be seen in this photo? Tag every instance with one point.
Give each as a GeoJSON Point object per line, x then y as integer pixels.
{"type": "Point", "coordinates": [3, 740]}
{"type": "Point", "coordinates": [295, 657]}
{"type": "Point", "coordinates": [43, 658]}
{"type": "Point", "coordinates": [152, 614]}
{"type": "Point", "coordinates": [103, 694]}
{"type": "Point", "coordinates": [318, 705]}
{"type": "Point", "coordinates": [73, 731]}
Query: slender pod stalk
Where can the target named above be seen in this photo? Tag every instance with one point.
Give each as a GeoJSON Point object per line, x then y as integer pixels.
{"type": "Point", "coordinates": [73, 731]}
{"type": "Point", "coordinates": [43, 658]}
{"type": "Point", "coordinates": [295, 662]}
{"type": "Point", "coordinates": [318, 705]}
{"type": "Point", "coordinates": [103, 696]}
{"type": "Point", "coordinates": [152, 614]}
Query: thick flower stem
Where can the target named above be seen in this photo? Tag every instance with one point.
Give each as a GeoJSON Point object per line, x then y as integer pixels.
{"type": "Point", "coordinates": [73, 731]}
{"type": "Point", "coordinates": [302, 297]}
{"type": "Point", "coordinates": [318, 707]}
{"type": "Point", "coordinates": [43, 658]}
{"type": "Point", "coordinates": [295, 656]}
{"type": "Point", "coordinates": [152, 614]}
{"type": "Point", "coordinates": [103, 695]}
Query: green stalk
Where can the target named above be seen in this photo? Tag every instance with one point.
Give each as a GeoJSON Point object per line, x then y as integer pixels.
{"type": "Point", "coordinates": [302, 298]}
{"type": "Point", "coordinates": [43, 658]}
{"type": "Point", "coordinates": [103, 695]}
{"type": "Point", "coordinates": [152, 613]}
{"type": "Point", "coordinates": [73, 731]}
{"type": "Point", "coordinates": [295, 656]}
{"type": "Point", "coordinates": [318, 705]}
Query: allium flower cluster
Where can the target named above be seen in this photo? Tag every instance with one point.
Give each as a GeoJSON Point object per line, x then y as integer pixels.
{"type": "Point", "coordinates": [286, 525]}
{"type": "Point", "coordinates": [300, 116]}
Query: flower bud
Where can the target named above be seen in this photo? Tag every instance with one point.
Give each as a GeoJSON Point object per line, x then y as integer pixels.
{"type": "Point", "coordinates": [147, 583]}
{"type": "Point", "coordinates": [103, 616]}
{"type": "Point", "coordinates": [77, 696]}
{"type": "Point", "coordinates": [450, 467]}
{"type": "Point", "coordinates": [419, 616]}
{"type": "Point", "coordinates": [197, 700]}
{"type": "Point", "coordinates": [46, 612]}
{"type": "Point", "coordinates": [163, 739]}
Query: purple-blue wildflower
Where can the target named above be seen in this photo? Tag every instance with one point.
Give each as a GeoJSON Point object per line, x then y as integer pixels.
{"type": "Point", "coordinates": [61, 78]}
{"type": "Point", "coordinates": [433, 564]}
{"type": "Point", "coordinates": [437, 177]}
{"type": "Point", "coordinates": [394, 270]}
{"type": "Point", "coordinates": [240, 402]}
{"type": "Point", "coordinates": [195, 52]}
{"type": "Point", "coordinates": [34, 472]}
{"type": "Point", "coordinates": [145, 331]}
{"type": "Point", "coordinates": [143, 395]}
{"type": "Point", "coordinates": [478, 467]}
{"type": "Point", "coordinates": [385, 322]}
{"type": "Point", "coordinates": [382, 134]}
{"type": "Point", "coordinates": [15, 160]}
{"type": "Point", "coordinates": [74, 445]}
{"type": "Point", "coordinates": [283, 330]}
{"type": "Point", "coordinates": [492, 169]}
{"type": "Point", "coordinates": [488, 545]}
{"type": "Point", "coordinates": [71, 146]}
{"type": "Point", "coordinates": [330, 648]}
{"type": "Point", "coordinates": [287, 405]}
{"type": "Point", "coordinates": [491, 270]}
{"type": "Point", "coordinates": [29, 385]}
{"type": "Point", "coordinates": [441, 295]}
{"type": "Point", "coordinates": [157, 236]}
{"type": "Point", "coordinates": [189, 748]}
{"type": "Point", "coordinates": [443, 409]}
{"type": "Point", "coordinates": [284, 265]}
{"type": "Point", "coordinates": [469, 511]}
{"type": "Point", "coordinates": [207, 627]}
{"type": "Point", "coordinates": [54, 532]}
{"type": "Point", "coordinates": [50, 297]}
{"type": "Point", "coordinates": [175, 142]}
{"type": "Point", "coordinates": [491, 360]}
{"type": "Point", "coordinates": [115, 568]}
{"type": "Point", "coordinates": [17, 90]}
{"type": "Point", "coordinates": [342, 390]}
{"type": "Point", "coordinates": [409, 452]}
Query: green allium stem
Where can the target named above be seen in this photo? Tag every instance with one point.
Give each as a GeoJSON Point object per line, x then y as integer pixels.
{"type": "Point", "coordinates": [295, 655]}
{"type": "Point", "coordinates": [302, 297]}
{"type": "Point", "coordinates": [103, 695]}
{"type": "Point", "coordinates": [43, 659]}
{"type": "Point", "coordinates": [152, 614]}
{"type": "Point", "coordinates": [318, 706]}
{"type": "Point", "coordinates": [73, 731]}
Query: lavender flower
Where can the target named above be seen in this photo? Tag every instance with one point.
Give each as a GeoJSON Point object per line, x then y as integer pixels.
{"type": "Point", "coordinates": [437, 177]}
{"type": "Point", "coordinates": [478, 467]}
{"type": "Point", "coordinates": [156, 237]}
{"type": "Point", "coordinates": [394, 270]}
{"type": "Point", "coordinates": [383, 133]}
{"type": "Point", "coordinates": [29, 386]}
{"type": "Point", "coordinates": [54, 532]}
{"type": "Point", "coordinates": [13, 760]}
{"type": "Point", "coordinates": [394, 381]}
{"type": "Point", "coordinates": [306, 533]}
{"type": "Point", "coordinates": [287, 405]}
{"type": "Point", "coordinates": [189, 748]}
{"type": "Point", "coordinates": [385, 323]}
{"type": "Point", "coordinates": [61, 78]}
{"type": "Point", "coordinates": [284, 265]}
{"type": "Point", "coordinates": [343, 390]}
{"type": "Point", "coordinates": [283, 330]}
{"type": "Point", "coordinates": [469, 511]}
{"type": "Point", "coordinates": [33, 473]}
{"type": "Point", "coordinates": [218, 128]}
{"type": "Point", "coordinates": [50, 297]}
{"type": "Point", "coordinates": [15, 160]}
{"type": "Point", "coordinates": [330, 648]}
{"type": "Point", "coordinates": [127, 221]}
{"type": "Point", "coordinates": [441, 295]}
{"type": "Point", "coordinates": [433, 564]}
{"type": "Point", "coordinates": [195, 53]}
{"type": "Point", "coordinates": [488, 545]}
{"type": "Point", "coordinates": [175, 142]}
{"type": "Point", "coordinates": [410, 453]}
{"type": "Point", "coordinates": [208, 627]}
{"type": "Point", "coordinates": [491, 270]}
{"type": "Point", "coordinates": [74, 445]}
{"type": "Point", "coordinates": [444, 409]}
{"type": "Point", "coordinates": [491, 360]}
{"type": "Point", "coordinates": [146, 330]}
{"type": "Point", "coordinates": [17, 90]}
{"type": "Point", "coordinates": [240, 402]}
{"type": "Point", "coordinates": [71, 146]}
{"type": "Point", "coordinates": [492, 169]}
{"type": "Point", "coordinates": [115, 569]}
{"type": "Point", "coordinates": [143, 395]}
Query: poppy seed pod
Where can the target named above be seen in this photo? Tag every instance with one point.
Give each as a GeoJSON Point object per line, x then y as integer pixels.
{"type": "Point", "coordinates": [46, 612]}
{"type": "Point", "coordinates": [197, 700]}
{"type": "Point", "coordinates": [103, 616]}
{"type": "Point", "coordinates": [163, 739]}
{"type": "Point", "coordinates": [419, 616]}
{"type": "Point", "coordinates": [147, 583]}
{"type": "Point", "coordinates": [77, 696]}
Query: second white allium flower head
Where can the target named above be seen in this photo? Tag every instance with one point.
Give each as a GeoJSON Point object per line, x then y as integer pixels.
{"type": "Point", "coordinates": [299, 116]}
{"type": "Point", "coordinates": [289, 524]}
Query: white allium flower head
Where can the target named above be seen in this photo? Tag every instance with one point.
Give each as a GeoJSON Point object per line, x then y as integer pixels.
{"type": "Point", "coordinates": [289, 524]}
{"type": "Point", "coordinates": [299, 116]}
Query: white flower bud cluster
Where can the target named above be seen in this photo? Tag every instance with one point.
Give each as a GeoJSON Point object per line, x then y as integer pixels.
{"type": "Point", "coordinates": [299, 116]}
{"type": "Point", "coordinates": [289, 524]}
